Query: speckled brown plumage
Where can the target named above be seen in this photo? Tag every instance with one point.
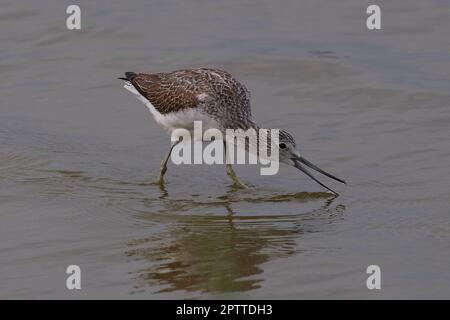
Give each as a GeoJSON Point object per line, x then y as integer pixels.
{"type": "Point", "coordinates": [213, 91]}
{"type": "Point", "coordinates": [179, 98]}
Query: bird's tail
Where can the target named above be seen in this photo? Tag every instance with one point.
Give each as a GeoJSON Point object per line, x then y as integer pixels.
{"type": "Point", "coordinates": [129, 76]}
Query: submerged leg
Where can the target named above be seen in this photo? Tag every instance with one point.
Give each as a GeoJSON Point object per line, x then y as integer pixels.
{"type": "Point", "coordinates": [231, 173]}
{"type": "Point", "coordinates": [163, 168]}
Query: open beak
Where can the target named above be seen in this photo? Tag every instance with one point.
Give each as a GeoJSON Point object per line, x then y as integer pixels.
{"type": "Point", "coordinates": [298, 161]}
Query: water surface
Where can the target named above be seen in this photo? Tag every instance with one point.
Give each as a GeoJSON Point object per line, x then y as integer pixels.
{"type": "Point", "coordinates": [78, 152]}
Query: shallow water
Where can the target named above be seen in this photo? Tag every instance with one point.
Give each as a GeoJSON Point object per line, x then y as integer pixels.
{"type": "Point", "coordinates": [78, 152]}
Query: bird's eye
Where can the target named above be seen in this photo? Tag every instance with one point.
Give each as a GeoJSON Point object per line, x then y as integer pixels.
{"type": "Point", "coordinates": [282, 145]}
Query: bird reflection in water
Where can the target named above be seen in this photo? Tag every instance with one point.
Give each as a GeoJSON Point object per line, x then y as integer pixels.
{"type": "Point", "coordinates": [220, 254]}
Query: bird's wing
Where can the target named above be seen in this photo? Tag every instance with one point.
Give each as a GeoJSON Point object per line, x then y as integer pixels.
{"type": "Point", "coordinates": [229, 100]}
{"type": "Point", "coordinates": [228, 91]}
{"type": "Point", "coordinates": [167, 92]}
{"type": "Point", "coordinates": [214, 90]}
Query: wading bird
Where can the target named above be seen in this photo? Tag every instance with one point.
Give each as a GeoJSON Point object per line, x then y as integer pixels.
{"type": "Point", "coordinates": [177, 99]}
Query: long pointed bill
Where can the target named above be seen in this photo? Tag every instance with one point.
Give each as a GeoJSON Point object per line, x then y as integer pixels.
{"type": "Point", "coordinates": [298, 161]}
{"type": "Point", "coordinates": [309, 174]}
{"type": "Point", "coordinates": [314, 167]}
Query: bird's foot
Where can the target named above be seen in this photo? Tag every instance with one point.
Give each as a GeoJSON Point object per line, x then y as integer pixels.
{"type": "Point", "coordinates": [236, 183]}
{"type": "Point", "coordinates": [159, 182]}
{"type": "Point", "coordinates": [239, 185]}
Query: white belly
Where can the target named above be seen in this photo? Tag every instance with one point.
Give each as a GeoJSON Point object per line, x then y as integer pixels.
{"type": "Point", "coordinates": [175, 120]}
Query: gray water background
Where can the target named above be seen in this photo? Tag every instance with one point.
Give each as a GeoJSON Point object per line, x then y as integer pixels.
{"type": "Point", "coordinates": [78, 152]}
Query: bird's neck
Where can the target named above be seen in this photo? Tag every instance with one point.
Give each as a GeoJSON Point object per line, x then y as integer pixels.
{"type": "Point", "coordinates": [253, 125]}
{"type": "Point", "coordinates": [262, 136]}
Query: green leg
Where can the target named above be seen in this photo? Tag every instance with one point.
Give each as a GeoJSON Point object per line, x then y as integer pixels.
{"type": "Point", "coordinates": [163, 168]}
{"type": "Point", "coordinates": [231, 173]}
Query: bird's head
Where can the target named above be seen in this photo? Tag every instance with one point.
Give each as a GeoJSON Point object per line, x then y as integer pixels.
{"type": "Point", "coordinates": [290, 155]}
